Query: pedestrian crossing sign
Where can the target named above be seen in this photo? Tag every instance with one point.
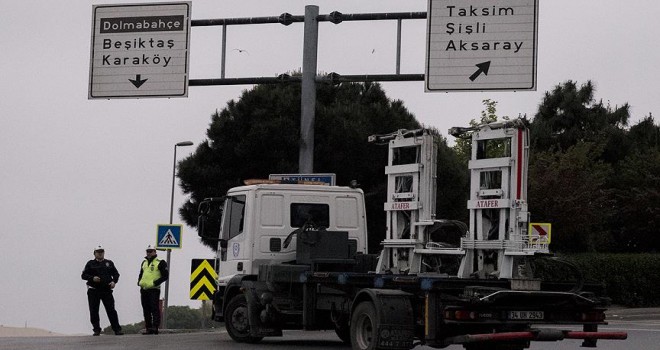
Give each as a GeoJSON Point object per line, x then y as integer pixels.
{"type": "Point", "coordinates": [169, 236]}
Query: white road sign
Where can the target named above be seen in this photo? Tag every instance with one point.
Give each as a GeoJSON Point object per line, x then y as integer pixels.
{"type": "Point", "coordinates": [139, 50]}
{"type": "Point", "coordinates": [477, 45]}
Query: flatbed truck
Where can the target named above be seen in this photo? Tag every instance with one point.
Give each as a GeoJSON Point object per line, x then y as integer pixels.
{"type": "Point", "coordinates": [294, 256]}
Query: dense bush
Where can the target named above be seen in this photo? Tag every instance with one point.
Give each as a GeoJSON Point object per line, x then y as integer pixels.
{"type": "Point", "coordinates": [179, 317]}
{"type": "Point", "coordinates": [630, 279]}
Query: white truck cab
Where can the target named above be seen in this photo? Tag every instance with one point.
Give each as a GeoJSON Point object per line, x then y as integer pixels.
{"type": "Point", "coordinates": [256, 220]}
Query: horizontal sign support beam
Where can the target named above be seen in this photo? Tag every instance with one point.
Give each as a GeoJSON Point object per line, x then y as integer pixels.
{"type": "Point", "coordinates": [332, 79]}
{"type": "Point", "coordinates": [286, 18]}
{"type": "Point", "coordinates": [373, 16]}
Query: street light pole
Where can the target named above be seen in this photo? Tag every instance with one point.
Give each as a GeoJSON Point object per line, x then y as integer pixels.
{"type": "Point", "coordinates": [169, 251]}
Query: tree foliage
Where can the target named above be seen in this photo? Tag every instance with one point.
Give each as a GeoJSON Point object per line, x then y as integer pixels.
{"type": "Point", "coordinates": [591, 176]}
{"type": "Point", "coordinates": [568, 189]}
{"type": "Point", "coordinates": [636, 191]}
{"type": "Point", "coordinates": [569, 115]}
{"type": "Point", "coordinates": [463, 146]}
{"type": "Point", "coordinates": [452, 184]}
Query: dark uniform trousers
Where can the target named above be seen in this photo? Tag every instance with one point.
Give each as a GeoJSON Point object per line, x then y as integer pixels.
{"type": "Point", "coordinates": [95, 297]}
{"type": "Point", "coordinates": [150, 307]}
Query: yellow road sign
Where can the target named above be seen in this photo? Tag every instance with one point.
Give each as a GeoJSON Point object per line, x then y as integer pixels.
{"type": "Point", "coordinates": [202, 279]}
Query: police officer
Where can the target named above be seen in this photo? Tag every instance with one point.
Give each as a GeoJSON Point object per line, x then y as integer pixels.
{"type": "Point", "coordinates": [101, 276]}
{"type": "Point", "coordinates": [153, 272]}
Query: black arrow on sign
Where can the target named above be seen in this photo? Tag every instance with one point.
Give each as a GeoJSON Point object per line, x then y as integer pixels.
{"type": "Point", "coordinates": [137, 82]}
{"type": "Point", "coordinates": [483, 68]}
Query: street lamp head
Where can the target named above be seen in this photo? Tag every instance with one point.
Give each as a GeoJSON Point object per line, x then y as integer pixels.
{"type": "Point", "coordinates": [184, 143]}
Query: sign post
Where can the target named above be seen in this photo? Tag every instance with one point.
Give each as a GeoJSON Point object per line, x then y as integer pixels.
{"type": "Point", "coordinates": [478, 45]}
{"type": "Point", "coordinates": [139, 50]}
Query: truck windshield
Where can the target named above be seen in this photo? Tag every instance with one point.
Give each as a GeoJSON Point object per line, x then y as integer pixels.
{"type": "Point", "coordinates": [234, 217]}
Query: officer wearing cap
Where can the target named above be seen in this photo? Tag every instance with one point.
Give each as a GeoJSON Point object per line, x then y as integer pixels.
{"type": "Point", "coordinates": [101, 276]}
{"type": "Point", "coordinates": [153, 272]}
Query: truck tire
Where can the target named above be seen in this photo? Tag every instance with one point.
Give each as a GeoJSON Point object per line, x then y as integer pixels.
{"type": "Point", "coordinates": [236, 320]}
{"type": "Point", "coordinates": [364, 324]}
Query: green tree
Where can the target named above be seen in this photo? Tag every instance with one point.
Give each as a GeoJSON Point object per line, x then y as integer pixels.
{"type": "Point", "coordinates": [452, 184]}
{"type": "Point", "coordinates": [636, 191]}
{"type": "Point", "coordinates": [569, 115]}
{"type": "Point", "coordinates": [568, 189]}
{"type": "Point", "coordinates": [608, 183]}
{"type": "Point", "coordinates": [645, 135]}
{"type": "Point", "coordinates": [463, 146]}
{"type": "Point", "coordinates": [259, 134]}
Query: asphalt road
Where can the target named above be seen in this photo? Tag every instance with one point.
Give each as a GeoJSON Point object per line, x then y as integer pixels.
{"type": "Point", "coordinates": [642, 325]}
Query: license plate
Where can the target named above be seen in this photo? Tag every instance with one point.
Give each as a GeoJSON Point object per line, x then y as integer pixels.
{"type": "Point", "coordinates": [526, 315]}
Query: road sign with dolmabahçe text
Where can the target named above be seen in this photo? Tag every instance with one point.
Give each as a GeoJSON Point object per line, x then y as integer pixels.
{"type": "Point", "coordinates": [139, 50]}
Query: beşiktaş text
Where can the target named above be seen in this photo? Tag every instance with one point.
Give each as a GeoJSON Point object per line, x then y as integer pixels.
{"type": "Point", "coordinates": [136, 44]}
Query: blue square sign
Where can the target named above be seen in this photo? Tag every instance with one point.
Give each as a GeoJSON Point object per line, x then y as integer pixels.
{"type": "Point", "coordinates": [169, 236]}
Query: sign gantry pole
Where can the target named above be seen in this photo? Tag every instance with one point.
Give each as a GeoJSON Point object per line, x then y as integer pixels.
{"type": "Point", "coordinates": [308, 90]}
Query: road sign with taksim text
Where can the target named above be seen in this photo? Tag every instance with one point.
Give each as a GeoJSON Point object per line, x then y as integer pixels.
{"type": "Point", "coordinates": [139, 50]}
{"type": "Point", "coordinates": [478, 45]}
{"type": "Point", "coordinates": [168, 236]}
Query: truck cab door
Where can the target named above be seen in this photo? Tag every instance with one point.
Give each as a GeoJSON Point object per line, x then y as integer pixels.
{"type": "Point", "coordinates": [235, 254]}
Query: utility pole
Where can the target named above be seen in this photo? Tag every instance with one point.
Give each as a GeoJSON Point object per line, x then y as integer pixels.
{"type": "Point", "coordinates": [169, 251]}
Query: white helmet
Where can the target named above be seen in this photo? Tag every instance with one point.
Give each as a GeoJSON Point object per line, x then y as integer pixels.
{"type": "Point", "coordinates": [150, 247]}
{"type": "Point", "coordinates": [98, 247]}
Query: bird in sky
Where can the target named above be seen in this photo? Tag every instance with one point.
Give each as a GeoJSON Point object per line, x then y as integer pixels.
{"type": "Point", "coordinates": [241, 51]}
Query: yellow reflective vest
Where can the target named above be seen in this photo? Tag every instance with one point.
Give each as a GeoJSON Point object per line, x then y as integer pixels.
{"type": "Point", "coordinates": [150, 273]}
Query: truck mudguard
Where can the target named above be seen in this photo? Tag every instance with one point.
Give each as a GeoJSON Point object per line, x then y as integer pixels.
{"type": "Point", "coordinates": [233, 288]}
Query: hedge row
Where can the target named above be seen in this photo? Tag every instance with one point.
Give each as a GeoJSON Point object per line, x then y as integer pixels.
{"type": "Point", "coordinates": [631, 280]}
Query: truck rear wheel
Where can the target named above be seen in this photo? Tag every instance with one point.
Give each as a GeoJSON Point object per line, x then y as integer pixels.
{"type": "Point", "coordinates": [237, 321]}
{"type": "Point", "coordinates": [364, 325]}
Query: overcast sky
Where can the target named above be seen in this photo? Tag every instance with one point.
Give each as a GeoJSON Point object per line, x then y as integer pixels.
{"type": "Point", "coordinates": [76, 173]}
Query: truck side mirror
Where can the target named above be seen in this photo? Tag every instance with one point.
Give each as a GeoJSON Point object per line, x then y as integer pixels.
{"type": "Point", "coordinates": [210, 216]}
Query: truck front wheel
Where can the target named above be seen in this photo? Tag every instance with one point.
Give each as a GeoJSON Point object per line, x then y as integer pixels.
{"type": "Point", "coordinates": [237, 321]}
{"type": "Point", "coordinates": [364, 325]}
